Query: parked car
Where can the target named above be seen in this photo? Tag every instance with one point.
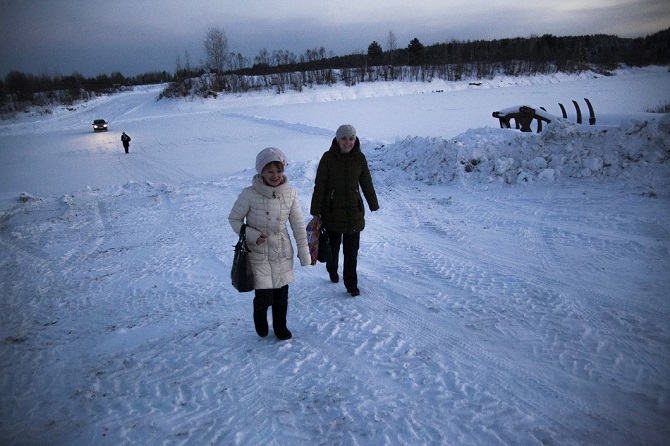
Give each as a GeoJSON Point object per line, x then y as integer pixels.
{"type": "Point", "coordinates": [99, 125]}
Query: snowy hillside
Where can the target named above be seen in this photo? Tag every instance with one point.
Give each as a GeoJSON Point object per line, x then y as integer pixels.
{"type": "Point", "coordinates": [514, 286]}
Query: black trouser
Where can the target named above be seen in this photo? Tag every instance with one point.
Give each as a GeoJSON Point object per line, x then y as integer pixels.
{"type": "Point", "coordinates": [350, 244]}
{"type": "Point", "coordinates": [271, 296]}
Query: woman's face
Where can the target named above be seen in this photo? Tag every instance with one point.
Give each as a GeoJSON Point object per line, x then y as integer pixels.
{"type": "Point", "coordinates": [346, 143]}
{"type": "Point", "coordinates": [273, 175]}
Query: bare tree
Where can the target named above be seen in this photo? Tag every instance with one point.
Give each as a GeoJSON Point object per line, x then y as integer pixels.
{"type": "Point", "coordinates": [263, 58]}
{"type": "Point", "coordinates": [391, 47]}
{"type": "Point", "coordinates": [391, 42]}
{"type": "Point", "coordinates": [216, 53]}
{"type": "Point", "coordinates": [187, 61]}
{"type": "Point", "coordinates": [236, 61]}
{"type": "Point", "coordinates": [178, 68]}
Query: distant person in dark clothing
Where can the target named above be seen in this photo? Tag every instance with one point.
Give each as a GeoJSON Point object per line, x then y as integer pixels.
{"type": "Point", "coordinates": [125, 139]}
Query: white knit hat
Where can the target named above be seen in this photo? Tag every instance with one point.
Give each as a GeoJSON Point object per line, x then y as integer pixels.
{"type": "Point", "coordinates": [345, 130]}
{"type": "Point", "coordinates": [269, 155]}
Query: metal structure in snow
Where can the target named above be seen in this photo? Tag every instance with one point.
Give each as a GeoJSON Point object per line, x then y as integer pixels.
{"type": "Point", "coordinates": [524, 115]}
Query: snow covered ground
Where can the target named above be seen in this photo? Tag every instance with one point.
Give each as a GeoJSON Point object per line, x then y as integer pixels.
{"type": "Point", "coordinates": [515, 286]}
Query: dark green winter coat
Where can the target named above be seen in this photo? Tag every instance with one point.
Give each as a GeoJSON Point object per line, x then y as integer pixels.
{"type": "Point", "coordinates": [340, 178]}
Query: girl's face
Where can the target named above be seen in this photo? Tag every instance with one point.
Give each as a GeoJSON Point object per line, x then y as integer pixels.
{"type": "Point", "coordinates": [346, 143]}
{"type": "Point", "coordinates": [273, 175]}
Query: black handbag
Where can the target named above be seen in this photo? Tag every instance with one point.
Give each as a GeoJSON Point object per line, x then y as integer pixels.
{"type": "Point", "coordinates": [241, 273]}
{"type": "Point", "coordinates": [324, 253]}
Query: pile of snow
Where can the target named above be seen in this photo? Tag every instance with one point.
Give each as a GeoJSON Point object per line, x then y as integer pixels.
{"type": "Point", "coordinates": [562, 150]}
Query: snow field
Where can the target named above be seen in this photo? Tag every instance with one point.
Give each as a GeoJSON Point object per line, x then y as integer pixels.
{"type": "Point", "coordinates": [504, 305]}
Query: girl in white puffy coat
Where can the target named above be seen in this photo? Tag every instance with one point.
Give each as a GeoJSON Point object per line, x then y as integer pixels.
{"type": "Point", "coordinates": [267, 205]}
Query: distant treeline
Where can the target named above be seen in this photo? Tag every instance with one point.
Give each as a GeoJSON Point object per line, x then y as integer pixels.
{"type": "Point", "coordinates": [19, 90]}
{"type": "Point", "coordinates": [283, 70]}
{"type": "Point", "coordinates": [534, 54]}
{"type": "Point", "coordinates": [453, 61]}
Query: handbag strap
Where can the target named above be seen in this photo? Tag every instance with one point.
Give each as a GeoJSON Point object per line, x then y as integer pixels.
{"type": "Point", "coordinates": [243, 237]}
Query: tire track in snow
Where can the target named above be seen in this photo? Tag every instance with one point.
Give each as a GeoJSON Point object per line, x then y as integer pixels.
{"type": "Point", "coordinates": [398, 321]}
{"type": "Point", "coordinates": [141, 160]}
{"type": "Point", "coordinates": [376, 385]}
{"type": "Point", "coordinates": [188, 385]}
{"type": "Point", "coordinates": [477, 277]}
{"type": "Point", "coordinates": [372, 326]}
{"type": "Point", "coordinates": [508, 377]}
{"type": "Point", "coordinates": [294, 126]}
{"type": "Point", "coordinates": [52, 250]}
{"type": "Point", "coordinates": [502, 292]}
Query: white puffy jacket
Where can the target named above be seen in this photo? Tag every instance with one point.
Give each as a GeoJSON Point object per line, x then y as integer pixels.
{"type": "Point", "coordinates": [266, 210]}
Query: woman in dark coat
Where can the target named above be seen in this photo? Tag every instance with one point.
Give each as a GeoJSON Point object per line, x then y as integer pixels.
{"type": "Point", "coordinates": [342, 174]}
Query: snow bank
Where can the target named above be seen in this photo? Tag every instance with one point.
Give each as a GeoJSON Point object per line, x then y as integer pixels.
{"type": "Point", "coordinates": [562, 150]}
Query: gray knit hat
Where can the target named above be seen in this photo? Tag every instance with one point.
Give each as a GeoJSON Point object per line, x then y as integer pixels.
{"type": "Point", "coordinates": [345, 130]}
{"type": "Point", "coordinates": [269, 155]}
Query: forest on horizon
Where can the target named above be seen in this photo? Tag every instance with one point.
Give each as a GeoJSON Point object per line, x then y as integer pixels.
{"type": "Point", "coordinates": [280, 70]}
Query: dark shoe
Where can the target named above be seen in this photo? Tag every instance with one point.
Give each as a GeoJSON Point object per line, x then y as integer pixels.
{"type": "Point", "coordinates": [283, 335]}
{"type": "Point", "coordinates": [261, 321]}
{"type": "Point", "coordinates": [279, 322]}
{"type": "Point", "coordinates": [354, 292]}
{"type": "Point", "coordinates": [334, 277]}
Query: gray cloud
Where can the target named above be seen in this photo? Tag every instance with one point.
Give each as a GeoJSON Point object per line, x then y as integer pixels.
{"type": "Point", "coordinates": [133, 37]}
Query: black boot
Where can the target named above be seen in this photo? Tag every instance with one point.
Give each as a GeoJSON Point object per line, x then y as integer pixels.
{"type": "Point", "coordinates": [261, 316]}
{"type": "Point", "coordinates": [279, 321]}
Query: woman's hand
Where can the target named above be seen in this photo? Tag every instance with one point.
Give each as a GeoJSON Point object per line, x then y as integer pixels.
{"type": "Point", "coordinates": [262, 239]}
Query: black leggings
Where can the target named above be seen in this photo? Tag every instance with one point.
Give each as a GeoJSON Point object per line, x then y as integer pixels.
{"type": "Point", "coordinates": [350, 244]}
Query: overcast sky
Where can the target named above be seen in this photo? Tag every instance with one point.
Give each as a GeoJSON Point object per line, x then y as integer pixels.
{"type": "Point", "coordinates": [91, 37]}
